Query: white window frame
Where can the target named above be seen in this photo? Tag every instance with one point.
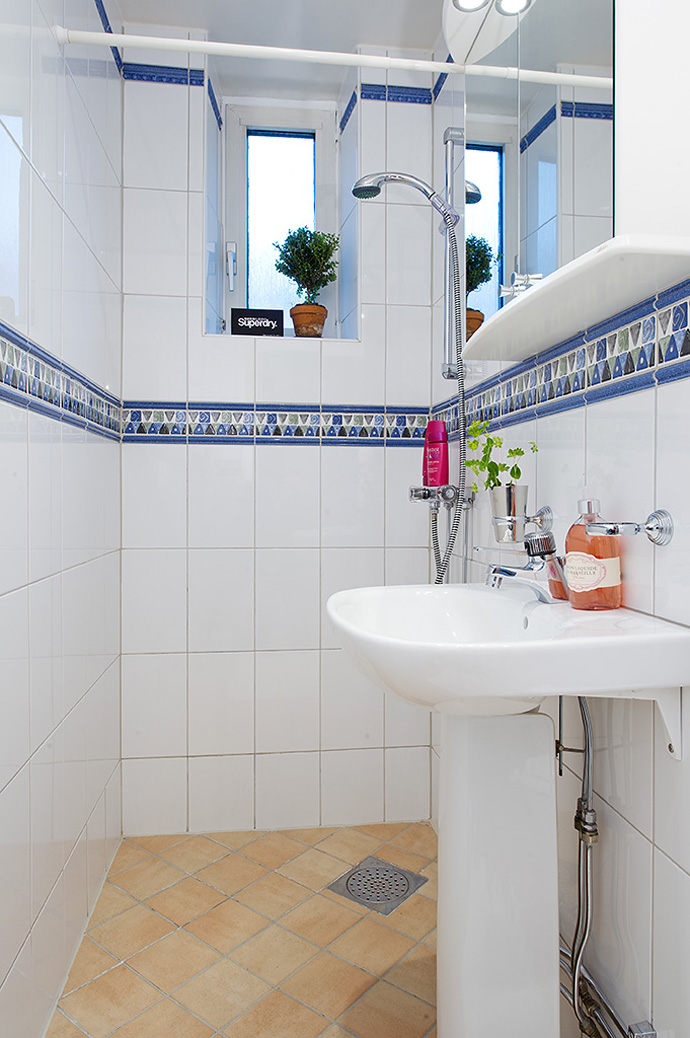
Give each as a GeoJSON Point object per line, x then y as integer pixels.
{"type": "Point", "coordinates": [244, 113]}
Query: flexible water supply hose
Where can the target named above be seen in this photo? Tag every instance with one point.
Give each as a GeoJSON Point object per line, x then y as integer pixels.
{"type": "Point", "coordinates": [443, 561]}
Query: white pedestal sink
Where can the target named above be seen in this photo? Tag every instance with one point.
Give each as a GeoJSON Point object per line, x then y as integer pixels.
{"type": "Point", "coordinates": [486, 659]}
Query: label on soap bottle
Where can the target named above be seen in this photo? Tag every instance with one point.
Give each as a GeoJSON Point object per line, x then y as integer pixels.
{"type": "Point", "coordinates": [587, 573]}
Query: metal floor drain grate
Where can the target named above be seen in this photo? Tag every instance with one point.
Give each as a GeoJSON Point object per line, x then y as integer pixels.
{"type": "Point", "coordinates": [377, 884]}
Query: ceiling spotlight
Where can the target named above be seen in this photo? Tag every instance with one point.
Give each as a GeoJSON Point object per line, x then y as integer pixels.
{"type": "Point", "coordinates": [511, 6]}
{"type": "Point", "coordinates": [468, 6]}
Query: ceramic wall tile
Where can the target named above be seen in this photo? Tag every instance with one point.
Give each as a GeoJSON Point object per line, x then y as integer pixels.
{"type": "Point", "coordinates": [155, 342]}
{"type": "Point", "coordinates": [153, 601]}
{"type": "Point", "coordinates": [408, 252]}
{"type": "Point", "coordinates": [221, 703]}
{"type": "Point", "coordinates": [672, 562]}
{"type": "Point", "coordinates": [287, 701]}
{"type": "Point", "coordinates": [154, 496]}
{"type": "Point", "coordinates": [408, 784]}
{"type": "Point", "coordinates": [221, 595]}
{"type": "Point", "coordinates": [154, 705]}
{"type": "Point", "coordinates": [287, 598]}
{"type": "Point", "coordinates": [156, 136]}
{"type": "Point", "coordinates": [671, 911]}
{"type": "Point", "coordinates": [14, 698]}
{"type": "Point", "coordinates": [408, 356]}
{"type": "Point", "coordinates": [288, 370]}
{"type": "Point", "coordinates": [351, 706]}
{"type": "Point", "coordinates": [354, 372]}
{"type": "Point", "coordinates": [351, 786]}
{"type": "Point", "coordinates": [344, 568]}
{"type": "Point", "coordinates": [221, 496]}
{"type": "Point", "coordinates": [155, 242]}
{"type": "Point", "coordinates": [210, 807]}
{"type": "Point", "coordinates": [351, 497]}
{"type": "Point", "coordinates": [287, 495]}
{"type": "Point", "coordinates": [287, 790]}
{"type": "Point", "coordinates": [154, 796]}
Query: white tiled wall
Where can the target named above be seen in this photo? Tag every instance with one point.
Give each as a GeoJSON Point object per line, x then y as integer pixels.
{"type": "Point", "coordinates": [231, 551]}
{"type": "Point", "coordinates": [60, 216]}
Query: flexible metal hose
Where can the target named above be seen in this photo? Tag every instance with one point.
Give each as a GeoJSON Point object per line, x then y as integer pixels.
{"type": "Point", "coordinates": [443, 561]}
{"type": "Point", "coordinates": [584, 876]}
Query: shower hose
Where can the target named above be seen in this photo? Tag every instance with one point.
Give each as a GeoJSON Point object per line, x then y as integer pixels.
{"type": "Point", "coordinates": [443, 560]}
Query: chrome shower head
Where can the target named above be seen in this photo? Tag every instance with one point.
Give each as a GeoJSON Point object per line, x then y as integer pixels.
{"type": "Point", "coordinates": [472, 193]}
{"type": "Point", "coordinates": [370, 186]}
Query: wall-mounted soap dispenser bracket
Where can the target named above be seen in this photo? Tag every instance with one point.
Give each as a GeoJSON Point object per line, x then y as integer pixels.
{"type": "Point", "coordinates": [658, 526]}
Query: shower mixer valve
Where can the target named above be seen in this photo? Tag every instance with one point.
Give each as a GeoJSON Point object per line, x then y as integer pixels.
{"type": "Point", "coordinates": [436, 496]}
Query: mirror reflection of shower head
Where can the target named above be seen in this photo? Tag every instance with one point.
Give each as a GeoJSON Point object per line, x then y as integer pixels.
{"type": "Point", "coordinates": [370, 186]}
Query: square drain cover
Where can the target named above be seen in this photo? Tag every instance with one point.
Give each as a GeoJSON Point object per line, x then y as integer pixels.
{"type": "Point", "coordinates": [377, 884]}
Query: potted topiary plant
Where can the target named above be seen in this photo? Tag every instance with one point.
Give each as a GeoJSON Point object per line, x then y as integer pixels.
{"type": "Point", "coordinates": [306, 257]}
{"type": "Point", "coordinates": [478, 260]}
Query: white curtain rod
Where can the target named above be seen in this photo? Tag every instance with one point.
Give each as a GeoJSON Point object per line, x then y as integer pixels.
{"type": "Point", "coordinates": [322, 57]}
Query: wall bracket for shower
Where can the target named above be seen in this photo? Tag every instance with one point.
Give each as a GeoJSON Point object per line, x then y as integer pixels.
{"type": "Point", "coordinates": [436, 496]}
{"type": "Point", "coordinates": [658, 526]}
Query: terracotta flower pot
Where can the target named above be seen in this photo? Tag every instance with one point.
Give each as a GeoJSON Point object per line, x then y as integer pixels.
{"type": "Point", "coordinates": [309, 319]}
{"type": "Point", "coordinates": [473, 320]}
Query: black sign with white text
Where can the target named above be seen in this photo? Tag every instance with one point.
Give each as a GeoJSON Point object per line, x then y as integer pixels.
{"type": "Point", "coordinates": [256, 322]}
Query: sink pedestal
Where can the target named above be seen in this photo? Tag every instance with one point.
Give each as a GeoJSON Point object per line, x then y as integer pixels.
{"type": "Point", "coordinates": [498, 970]}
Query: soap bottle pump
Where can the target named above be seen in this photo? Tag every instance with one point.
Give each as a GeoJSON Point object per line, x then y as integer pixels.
{"type": "Point", "coordinates": [435, 464]}
{"type": "Point", "coordinates": [592, 562]}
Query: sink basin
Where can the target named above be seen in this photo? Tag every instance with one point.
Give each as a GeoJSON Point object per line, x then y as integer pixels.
{"type": "Point", "coordinates": [476, 651]}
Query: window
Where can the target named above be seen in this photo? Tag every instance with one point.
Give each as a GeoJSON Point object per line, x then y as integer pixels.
{"type": "Point", "coordinates": [280, 198]}
{"type": "Point", "coordinates": [280, 174]}
{"type": "Point", "coordinates": [484, 167]}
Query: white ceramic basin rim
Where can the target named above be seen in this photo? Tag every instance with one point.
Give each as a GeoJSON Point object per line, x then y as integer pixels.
{"type": "Point", "coordinates": [468, 649]}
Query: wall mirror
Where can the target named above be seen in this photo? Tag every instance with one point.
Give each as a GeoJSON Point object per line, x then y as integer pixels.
{"type": "Point", "coordinates": [556, 140]}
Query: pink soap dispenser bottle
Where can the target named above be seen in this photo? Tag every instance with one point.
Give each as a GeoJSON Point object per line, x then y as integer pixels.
{"type": "Point", "coordinates": [435, 465]}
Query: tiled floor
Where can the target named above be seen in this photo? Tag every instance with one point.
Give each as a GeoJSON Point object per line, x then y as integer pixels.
{"type": "Point", "coordinates": [235, 935]}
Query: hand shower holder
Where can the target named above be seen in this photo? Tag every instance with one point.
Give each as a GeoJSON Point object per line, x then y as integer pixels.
{"type": "Point", "coordinates": [658, 526]}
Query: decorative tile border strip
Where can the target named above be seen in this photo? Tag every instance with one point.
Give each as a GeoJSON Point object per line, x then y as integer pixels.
{"type": "Point", "coordinates": [569, 110]}
{"type": "Point", "coordinates": [214, 104]}
{"type": "Point", "coordinates": [162, 74]}
{"type": "Point", "coordinates": [348, 111]}
{"type": "Point", "coordinates": [641, 347]}
{"type": "Point", "coordinates": [32, 378]}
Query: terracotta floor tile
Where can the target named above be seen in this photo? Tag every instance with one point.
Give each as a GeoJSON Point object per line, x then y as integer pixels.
{"type": "Point", "coordinates": [61, 1027]}
{"type": "Point", "coordinates": [131, 931]}
{"type": "Point", "coordinates": [337, 1032]}
{"type": "Point", "coordinates": [430, 889]}
{"type": "Point", "coordinates": [430, 939]}
{"type": "Point", "coordinates": [277, 1016]}
{"type": "Point", "coordinates": [274, 954]}
{"type": "Point", "coordinates": [310, 836]}
{"type": "Point", "coordinates": [147, 878]}
{"type": "Point", "coordinates": [419, 838]}
{"type": "Point", "coordinates": [349, 845]}
{"type": "Point", "coordinates": [232, 873]}
{"type": "Point", "coordinates": [165, 1020]}
{"type": "Point", "coordinates": [399, 856]}
{"type": "Point", "coordinates": [111, 901]}
{"type": "Point", "coordinates": [273, 895]}
{"type": "Point", "coordinates": [109, 1001]}
{"type": "Point", "coordinates": [173, 960]}
{"type": "Point", "coordinates": [227, 925]}
{"type": "Point", "coordinates": [233, 841]}
{"type": "Point", "coordinates": [186, 900]}
{"type": "Point", "coordinates": [313, 869]}
{"type": "Point", "coordinates": [387, 1012]}
{"type": "Point", "coordinates": [416, 973]}
{"type": "Point", "coordinates": [194, 854]}
{"type": "Point", "coordinates": [221, 993]}
{"type": "Point", "coordinates": [319, 920]}
{"type": "Point", "coordinates": [128, 854]}
{"type": "Point", "coordinates": [328, 985]}
{"type": "Point", "coordinates": [345, 902]}
{"type": "Point", "coordinates": [90, 962]}
{"type": "Point", "coordinates": [273, 850]}
{"type": "Point", "coordinates": [415, 917]}
{"type": "Point", "coordinates": [371, 946]}
{"type": "Point", "coordinates": [383, 830]}
{"type": "Point", "coordinates": [156, 844]}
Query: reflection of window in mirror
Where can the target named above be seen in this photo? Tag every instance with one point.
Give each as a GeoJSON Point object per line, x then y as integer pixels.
{"type": "Point", "coordinates": [279, 174]}
{"type": "Point", "coordinates": [484, 219]}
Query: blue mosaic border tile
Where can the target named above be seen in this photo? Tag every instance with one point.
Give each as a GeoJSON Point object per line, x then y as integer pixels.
{"type": "Point", "coordinates": [538, 128]}
{"type": "Point", "coordinates": [348, 111]}
{"type": "Point", "coordinates": [29, 377]}
{"type": "Point", "coordinates": [646, 345]}
{"type": "Point", "coordinates": [214, 104]}
{"type": "Point", "coordinates": [162, 74]}
{"type": "Point", "coordinates": [569, 110]}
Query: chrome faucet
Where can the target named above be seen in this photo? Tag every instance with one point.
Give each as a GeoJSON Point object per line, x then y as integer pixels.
{"type": "Point", "coordinates": [541, 549]}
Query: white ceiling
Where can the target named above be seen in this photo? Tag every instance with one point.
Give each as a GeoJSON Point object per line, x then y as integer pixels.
{"type": "Point", "coordinates": [310, 24]}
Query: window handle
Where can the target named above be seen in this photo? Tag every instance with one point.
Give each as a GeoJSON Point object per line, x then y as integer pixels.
{"type": "Point", "coordinates": [231, 263]}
